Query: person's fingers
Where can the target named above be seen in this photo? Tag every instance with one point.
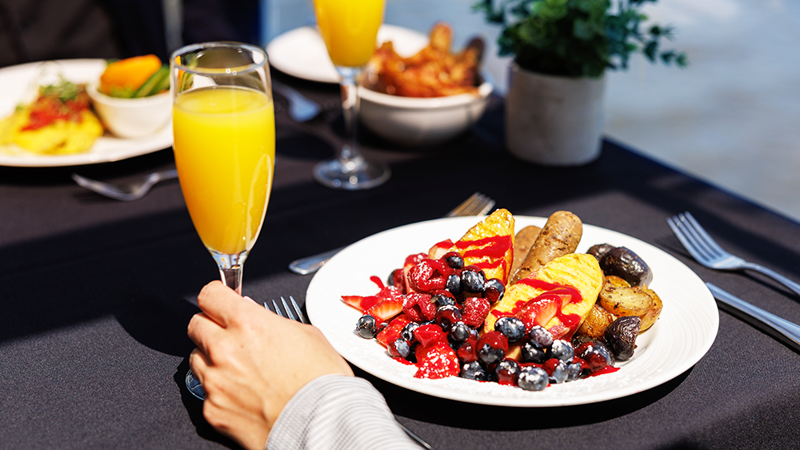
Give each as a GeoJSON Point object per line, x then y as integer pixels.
{"type": "Point", "coordinates": [201, 330]}
{"type": "Point", "coordinates": [218, 301]}
{"type": "Point", "coordinates": [198, 363]}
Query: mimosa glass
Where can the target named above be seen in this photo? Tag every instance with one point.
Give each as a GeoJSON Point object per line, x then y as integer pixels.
{"type": "Point", "coordinates": [350, 30]}
{"type": "Point", "coordinates": [224, 142]}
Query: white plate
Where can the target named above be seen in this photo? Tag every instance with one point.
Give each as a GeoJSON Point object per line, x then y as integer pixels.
{"type": "Point", "coordinates": [683, 334]}
{"type": "Point", "coordinates": [301, 52]}
{"type": "Point", "coordinates": [18, 82]}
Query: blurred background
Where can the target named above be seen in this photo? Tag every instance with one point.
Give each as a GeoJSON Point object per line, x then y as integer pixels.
{"type": "Point", "coordinates": [731, 117]}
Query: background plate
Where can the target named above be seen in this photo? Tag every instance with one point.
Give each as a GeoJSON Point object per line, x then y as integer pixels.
{"type": "Point", "coordinates": [301, 52]}
{"type": "Point", "coordinates": [18, 84]}
{"type": "Point", "coordinates": [683, 334]}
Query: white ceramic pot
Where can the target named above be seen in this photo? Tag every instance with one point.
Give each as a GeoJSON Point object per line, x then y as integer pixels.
{"type": "Point", "coordinates": [553, 120]}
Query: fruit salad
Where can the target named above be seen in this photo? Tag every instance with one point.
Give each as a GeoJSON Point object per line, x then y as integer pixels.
{"type": "Point", "coordinates": [453, 312]}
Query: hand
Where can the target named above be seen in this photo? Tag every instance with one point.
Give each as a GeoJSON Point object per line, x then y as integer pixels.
{"type": "Point", "coordinates": [251, 362]}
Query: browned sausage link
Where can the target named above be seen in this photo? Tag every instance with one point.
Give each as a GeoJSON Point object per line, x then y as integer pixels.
{"type": "Point", "coordinates": [523, 242]}
{"type": "Point", "coordinates": [560, 236]}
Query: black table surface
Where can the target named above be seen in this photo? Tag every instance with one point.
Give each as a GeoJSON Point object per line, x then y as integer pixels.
{"type": "Point", "coordinates": [95, 294]}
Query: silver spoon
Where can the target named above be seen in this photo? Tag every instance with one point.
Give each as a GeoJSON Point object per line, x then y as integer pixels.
{"type": "Point", "coordinates": [126, 192]}
{"type": "Point", "coordinates": [301, 109]}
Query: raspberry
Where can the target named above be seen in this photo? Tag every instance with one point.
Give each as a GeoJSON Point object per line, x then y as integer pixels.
{"type": "Point", "coordinates": [419, 307]}
{"type": "Point", "coordinates": [428, 275]}
{"type": "Point", "coordinates": [475, 311]}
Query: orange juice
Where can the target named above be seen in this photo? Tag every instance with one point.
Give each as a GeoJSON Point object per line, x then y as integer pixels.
{"type": "Point", "coordinates": [349, 29]}
{"type": "Point", "coordinates": [224, 142]}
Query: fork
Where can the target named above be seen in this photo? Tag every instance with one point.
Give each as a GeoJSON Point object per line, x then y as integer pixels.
{"type": "Point", "coordinates": [301, 109]}
{"type": "Point", "coordinates": [127, 192]}
{"type": "Point", "coordinates": [294, 313]}
{"type": "Point", "coordinates": [708, 253]}
{"type": "Point", "coordinates": [476, 205]}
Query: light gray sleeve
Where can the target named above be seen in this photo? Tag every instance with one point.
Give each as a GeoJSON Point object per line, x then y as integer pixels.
{"type": "Point", "coordinates": [335, 412]}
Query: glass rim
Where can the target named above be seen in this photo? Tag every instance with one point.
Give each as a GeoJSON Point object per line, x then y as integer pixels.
{"type": "Point", "coordinates": [194, 48]}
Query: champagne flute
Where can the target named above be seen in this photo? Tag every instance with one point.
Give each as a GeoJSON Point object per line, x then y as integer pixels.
{"type": "Point", "coordinates": [350, 29]}
{"type": "Point", "coordinates": [224, 142]}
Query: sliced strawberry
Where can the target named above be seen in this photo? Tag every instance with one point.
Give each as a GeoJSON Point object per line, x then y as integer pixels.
{"type": "Point", "coordinates": [361, 302]}
{"type": "Point", "coordinates": [475, 311]}
{"type": "Point", "coordinates": [391, 292]}
{"type": "Point", "coordinates": [392, 332]}
{"type": "Point", "coordinates": [429, 334]}
{"type": "Point", "coordinates": [385, 310]}
{"type": "Point", "coordinates": [538, 311]}
{"type": "Point", "coordinates": [437, 361]}
{"type": "Point", "coordinates": [419, 307]}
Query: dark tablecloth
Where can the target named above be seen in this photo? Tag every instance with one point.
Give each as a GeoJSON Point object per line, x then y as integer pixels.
{"type": "Point", "coordinates": [95, 294]}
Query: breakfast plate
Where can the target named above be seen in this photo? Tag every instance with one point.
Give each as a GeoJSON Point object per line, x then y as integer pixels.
{"type": "Point", "coordinates": [19, 83]}
{"type": "Point", "coordinates": [301, 52]}
{"type": "Point", "coordinates": [680, 338]}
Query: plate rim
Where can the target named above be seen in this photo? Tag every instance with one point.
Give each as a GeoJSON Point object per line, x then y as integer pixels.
{"type": "Point", "coordinates": [696, 352]}
{"type": "Point", "coordinates": [111, 148]}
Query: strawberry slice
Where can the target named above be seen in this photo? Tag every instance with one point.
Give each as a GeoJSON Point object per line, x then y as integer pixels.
{"type": "Point", "coordinates": [386, 310]}
{"type": "Point", "coordinates": [439, 249]}
{"type": "Point", "coordinates": [538, 311]}
{"type": "Point", "coordinates": [362, 302]}
{"type": "Point", "coordinates": [437, 361]}
{"type": "Point", "coordinates": [392, 332]}
{"type": "Point", "coordinates": [428, 335]}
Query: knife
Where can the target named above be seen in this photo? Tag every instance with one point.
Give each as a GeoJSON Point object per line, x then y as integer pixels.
{"type": "Point", "coordinates": [789, 331]}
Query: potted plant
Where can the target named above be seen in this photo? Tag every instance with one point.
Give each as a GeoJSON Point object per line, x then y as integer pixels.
{"type": "Point", "coordinates": [562, 49]}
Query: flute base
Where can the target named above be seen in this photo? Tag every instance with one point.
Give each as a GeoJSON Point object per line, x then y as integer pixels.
{"type": "Point", "coordinates": [194, 386]}
{"type": "Point", "coordinates": [351, 176]}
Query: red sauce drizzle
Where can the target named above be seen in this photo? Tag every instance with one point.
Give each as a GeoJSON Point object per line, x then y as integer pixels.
{"type": "Point", "coordinates": [494, 248]}
{"type": "Point", "coordinates": [377, 281]}
{"type": "Point", "coordinates": [604, 370]}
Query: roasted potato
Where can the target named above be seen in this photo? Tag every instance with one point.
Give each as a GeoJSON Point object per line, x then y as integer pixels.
{"type": "Point", "coordinates": [649, 319]}
{"type": "Point", "coordinates": [560, 236]}
{"type": "Point", "coordinates": [626, 264]}
{"type": "Point", "coordinates": [625, 301]}
{"type": "Point", "coordinates": [596, 322]}
{"type": "Point", "coordinates": [620, 336]}
{"type": "Point", "coordinates": [523, 242]}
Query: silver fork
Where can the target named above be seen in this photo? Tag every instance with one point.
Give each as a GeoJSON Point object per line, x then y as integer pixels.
{"type": "Point", "coordinates": [708, 253]}
{"type": "Point", "coordinates": [126, 192]}
{"type": "Point", "coordinates": [476, 205]}
{"type": "Point", "coordinates": [294, 313]}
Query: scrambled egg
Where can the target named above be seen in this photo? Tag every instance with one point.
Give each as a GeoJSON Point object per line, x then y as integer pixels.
{"type": "Point", "coordinates": [59, 122]}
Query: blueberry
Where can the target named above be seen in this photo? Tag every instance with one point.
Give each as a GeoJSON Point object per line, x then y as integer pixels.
{"type": "Point", "coordinates": [459, 332]}
{"type": "Point", "coordinates": [490, 354]}
{"type": "Point", "coordinates": [453, 284]}
{"type": "Point", "coordinates": [408, 331]}
{"type": "Point", "coordinates": [493, 290]}
{"type": "Point", "coordinates": [533, 353]}
{"type": "Point", "coordinates": [472, 279]}
{"type": "Point", "coordinates": [560, 372]}
{"type": "Point", "coordinates": [597, 355]}
{"type": "Point", "coordinates": [532, 378]}
{"type": "Point", "coordinates": [446, 316]}
{"type": "Point", "coordinates": [454, 260]}
{"type": "Point", "coordinates": [562, 350]}
{"type": "Point", "coordinates": [443, 299]}
{"type": "Point", "coordinates": [540, 336]}
{"type": "Point", "coordinates": [399, 348]}
{"type": "Point", "coordinates": [473, 371]}
{"type": "Point", "coordinates": [366, 327]}
{"type": "Point", "coordinates": [506, 372]}
{"type": "Point", "coordinates": [574, 371]}
{"type": "Point", "coordinates": [511, 327]}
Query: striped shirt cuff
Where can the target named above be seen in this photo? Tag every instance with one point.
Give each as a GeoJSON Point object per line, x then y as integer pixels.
{"type": "Point", "coordinates": [336, 412]}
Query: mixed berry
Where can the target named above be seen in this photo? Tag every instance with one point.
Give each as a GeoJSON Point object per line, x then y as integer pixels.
{"type": "Point", "coordinates": [431, 314]}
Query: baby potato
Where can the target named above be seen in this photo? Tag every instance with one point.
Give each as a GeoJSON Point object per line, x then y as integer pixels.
{"type": "Point", "coordinates": [650, 317]}
{"type": "Point", "coordinates": [625, 301]}
{"type": "Point", "coordinates": [596, 322]}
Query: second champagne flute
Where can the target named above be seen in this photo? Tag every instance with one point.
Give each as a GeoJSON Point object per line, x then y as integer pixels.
{"type": "Point", "coordinates": [350, 29]}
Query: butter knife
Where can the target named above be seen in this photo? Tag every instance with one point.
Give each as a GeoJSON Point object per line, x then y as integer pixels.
{"type": "Point", "coordinates": [789, 330]}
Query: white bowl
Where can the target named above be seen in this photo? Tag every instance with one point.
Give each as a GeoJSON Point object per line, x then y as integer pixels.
{"type": "Point", "coordinates": [132, 117]}
{"type": "Point", "coordinates": [421, 121]}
